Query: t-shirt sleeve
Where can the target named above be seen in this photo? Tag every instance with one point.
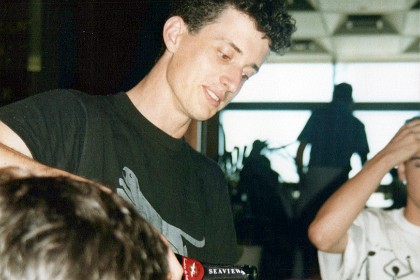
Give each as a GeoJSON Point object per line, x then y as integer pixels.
{"type": "Point", "coordinates": [52, 126]}
{"type": "Point", "coordinates": [344, 266]}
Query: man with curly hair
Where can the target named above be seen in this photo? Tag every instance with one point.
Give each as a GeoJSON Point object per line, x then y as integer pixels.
{"type": "Point", "coordinates": [64, 229]}
{"type": "Point", "coordinates": [133, 141]}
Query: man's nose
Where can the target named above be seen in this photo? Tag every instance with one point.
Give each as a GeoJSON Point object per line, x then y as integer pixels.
{"type": "Point", "coordinates": [232, 80]}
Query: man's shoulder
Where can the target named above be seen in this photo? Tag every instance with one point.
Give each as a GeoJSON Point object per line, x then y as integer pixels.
{"type": "Point", "coordinates": [56, 100]}
{"type": "Point", "coordinates": [57, 96]}
{"type": "Point", "coordinates": [80, 99]}
{"type": "Point", "coordinates": [322, 112]}
{"type": "Point", "coordinates": [70, 94]}
{"type": "Point", "coordinates": [370, 215]}
{"type": "Point", "coordinates": [359, 122]}
{"type": "Point", "coordinates": [201, 158]}
{"type": "Point", "coordinates": [355, 123]}
{"type": "Point", "coordinates": [203, 161]}
{"type": "Point", "coordinates": [62, 93]}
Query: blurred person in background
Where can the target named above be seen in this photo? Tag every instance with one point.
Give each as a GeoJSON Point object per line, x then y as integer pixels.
{"type": "Point", "coordinates": [334, 135]}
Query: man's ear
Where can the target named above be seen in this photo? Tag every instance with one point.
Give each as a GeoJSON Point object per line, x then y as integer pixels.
{"type": "Point", "coordinates": [172, 31]}
{"type": "Point", "coordinates": [401, 171]}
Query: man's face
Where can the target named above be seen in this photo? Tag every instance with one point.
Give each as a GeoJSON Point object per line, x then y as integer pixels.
{"type": "Point", "coordinates": [208, 68]}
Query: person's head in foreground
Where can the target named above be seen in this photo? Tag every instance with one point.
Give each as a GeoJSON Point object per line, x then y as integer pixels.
{"type": "Point", "coordinates": [58, 228]}
{"type": "Point", "coordinates": [216, 45]}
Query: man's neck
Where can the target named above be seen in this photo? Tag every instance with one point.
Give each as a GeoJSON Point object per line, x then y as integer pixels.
{"type": "Point", "coordinates": [154, 100]}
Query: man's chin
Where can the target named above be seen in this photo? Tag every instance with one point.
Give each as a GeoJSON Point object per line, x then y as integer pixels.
{"type": "Point", "coordinates": [204, 116]}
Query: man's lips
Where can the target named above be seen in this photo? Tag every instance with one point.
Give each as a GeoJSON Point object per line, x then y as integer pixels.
{"type": "Point", "coordinates": [213, 97]}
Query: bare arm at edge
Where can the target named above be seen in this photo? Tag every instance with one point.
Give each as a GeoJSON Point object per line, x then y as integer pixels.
{"type": "Point", "coordinates": [328, 231]}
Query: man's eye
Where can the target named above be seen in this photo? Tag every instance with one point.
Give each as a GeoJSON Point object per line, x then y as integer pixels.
{"type": "Point", "coordinates": [416, 162]}
{"type": "Point", "coordinates": [224, 56]}
{"type": "Point", "coordinates": [244, 76]}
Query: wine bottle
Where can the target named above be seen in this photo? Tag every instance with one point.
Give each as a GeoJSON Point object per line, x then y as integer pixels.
{"type": "Point", "coordinates": [196, 270]}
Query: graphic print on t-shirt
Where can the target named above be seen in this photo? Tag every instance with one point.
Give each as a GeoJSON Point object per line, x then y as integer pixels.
{"type": "Point", "coordinates": [130, 191]}
{"type": "Point", "coordinates": [398, 269]}
{"type": "Point", "coordinates": [394, 268]}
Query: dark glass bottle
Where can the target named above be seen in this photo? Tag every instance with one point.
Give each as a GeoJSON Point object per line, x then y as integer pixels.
{"type": "Point", "coordinates": [196, 270]}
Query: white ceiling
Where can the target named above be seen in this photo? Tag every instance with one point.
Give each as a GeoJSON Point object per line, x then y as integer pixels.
{"type": "Point", "coordinates": [354, 30]}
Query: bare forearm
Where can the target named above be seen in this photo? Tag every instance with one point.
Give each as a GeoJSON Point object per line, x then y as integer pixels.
{"type": "Point", "coordinates": [328, 231]}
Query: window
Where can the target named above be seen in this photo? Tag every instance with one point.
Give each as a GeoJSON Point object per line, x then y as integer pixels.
{"type": "Point", "coordinates": [275, 105]}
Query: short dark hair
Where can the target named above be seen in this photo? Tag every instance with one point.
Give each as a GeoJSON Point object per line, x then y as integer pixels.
{"type": "Point", "coordinates": [58, 228]}
{"type": "Point", "coordinates": [343, 93]}
{"type": "Point", "coordinates": [270, 16]}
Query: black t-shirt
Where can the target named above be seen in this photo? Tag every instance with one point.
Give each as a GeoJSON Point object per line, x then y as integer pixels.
{"type": "Point", "coordinates": [105, 138]}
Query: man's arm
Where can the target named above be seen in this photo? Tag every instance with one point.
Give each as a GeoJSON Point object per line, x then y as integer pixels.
{"type": "Point", "coordinates": [328, 231]}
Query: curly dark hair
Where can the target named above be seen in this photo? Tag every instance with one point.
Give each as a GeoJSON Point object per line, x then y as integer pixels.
{"type": "Point", "coordinates": [57, 228]}
{"type": "Point", "coordinates": [270, 16]}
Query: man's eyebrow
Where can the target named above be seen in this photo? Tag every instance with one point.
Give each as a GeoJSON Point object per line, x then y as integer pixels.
{"type": "Point", "coordinates": [238, 50]}
{"type": "Point", "coordinates": [415, 158]}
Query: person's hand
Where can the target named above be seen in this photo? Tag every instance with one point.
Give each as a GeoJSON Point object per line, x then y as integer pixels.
{"type": "Point", "coordinates": [175, 269]}
{"type": "Point", "coordinates": [405, 143]}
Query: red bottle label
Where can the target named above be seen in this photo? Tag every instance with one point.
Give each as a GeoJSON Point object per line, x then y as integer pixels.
{"type": "Point", "coordinates": [193, 269]}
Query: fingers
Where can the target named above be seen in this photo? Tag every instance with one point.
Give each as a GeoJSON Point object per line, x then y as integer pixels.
{"type": "Point", "coordinates": [410, 129]}
{"type": "Point", "coordinates": [413, 121]}
{"type": "Point", "coordinates": [405, 143]}
{"type": "Point", "coordinates": [175, 269]}
{"type": "Point", "coordinates": [413, 128]}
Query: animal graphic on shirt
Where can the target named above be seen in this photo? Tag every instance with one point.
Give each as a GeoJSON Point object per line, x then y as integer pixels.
{"type": "Point", "coordinates": [130, 191]}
